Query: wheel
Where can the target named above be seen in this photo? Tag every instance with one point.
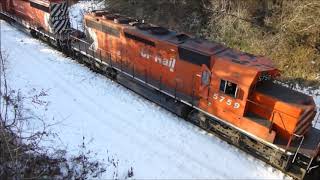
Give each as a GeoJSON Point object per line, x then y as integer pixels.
{"type": "Point", "coordinates": [33, 33]}
{"type": "Point", "coordinates": [93, 67]}
{"type": "Point", "coordinates": [49, 41]}
{"type": "Point", "coordinates": [203, 122]}
{"type": "Point", "coordinates": [111, 73]}
{"type": "Point", "coordinates": [79, 59]}
{"type": "Point", "coordinates": [59, 45]}
{"type": "Point", "coordinates": [64, 47]}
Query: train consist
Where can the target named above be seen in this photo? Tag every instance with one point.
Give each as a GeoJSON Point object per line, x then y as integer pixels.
{"type": "Point", "coordinates": [226, 92]}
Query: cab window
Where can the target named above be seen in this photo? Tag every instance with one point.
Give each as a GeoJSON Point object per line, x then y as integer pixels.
{"type": "Point", "coordinates": [228, 88]}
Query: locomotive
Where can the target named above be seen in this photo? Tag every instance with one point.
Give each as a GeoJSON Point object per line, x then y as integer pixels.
{"type": "Point", "coordinates": [229, 93]}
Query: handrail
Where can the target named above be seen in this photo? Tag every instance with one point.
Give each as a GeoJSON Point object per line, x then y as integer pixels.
{"type": "Point", "coordinates": [296, 153]}
{"type": "Point", "coordinates": [273, 113]}
{"type": "Point", "coordinates": [309, 168]}
{"type": "Point", "coordinates": [270, 128]}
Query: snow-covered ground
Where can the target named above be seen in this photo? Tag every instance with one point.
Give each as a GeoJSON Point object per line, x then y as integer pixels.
{"type": "Point", "coordinates": [119, 123]}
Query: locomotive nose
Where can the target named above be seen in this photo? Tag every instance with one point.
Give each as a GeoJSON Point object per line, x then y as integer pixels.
{"type": "Point", "coordinates": [59, 16]}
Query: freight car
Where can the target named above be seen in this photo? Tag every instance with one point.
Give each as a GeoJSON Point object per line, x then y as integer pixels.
{"type": "Point", "coordinates": [226, 92]}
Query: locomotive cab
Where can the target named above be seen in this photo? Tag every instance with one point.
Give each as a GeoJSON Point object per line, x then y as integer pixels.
{"type": "Point", "coordinates": [232, 75]}
{"type": "Point", "coordinates": [243, 93]}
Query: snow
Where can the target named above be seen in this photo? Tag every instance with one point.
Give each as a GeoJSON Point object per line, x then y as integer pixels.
{"type": "Point", "coordinates": [117, 122]}
{"type": "Point", "coordinates": [76, 12]}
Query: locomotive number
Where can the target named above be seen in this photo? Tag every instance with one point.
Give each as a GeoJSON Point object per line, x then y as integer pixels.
{"type": "Point", "coordinates": [221, 98]}
{"type": "Point", "coordinates": [229, 102]}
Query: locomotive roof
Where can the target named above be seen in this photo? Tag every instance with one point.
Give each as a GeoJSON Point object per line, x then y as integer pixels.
{"type": "Point", "coordinates": [162, 37]}
{"type": "Point", "coordinates": [211, 48]}
{"type": "Point", "coordinates": [259, 62]}
{"type": "Point", "coordinates": [206, 47]}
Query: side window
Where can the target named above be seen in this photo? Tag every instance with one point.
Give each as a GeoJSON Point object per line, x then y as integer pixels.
{"type": "Point", "coordinates": [228, 88]}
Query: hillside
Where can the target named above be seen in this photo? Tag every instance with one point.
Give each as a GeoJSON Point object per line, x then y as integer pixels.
{"type": "Point", "coordinates": [286, 31]}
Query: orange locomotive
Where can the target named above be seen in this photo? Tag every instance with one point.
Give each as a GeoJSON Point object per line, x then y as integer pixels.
{"type": "Point", "coordinates": [223, 82]}
{"type": "Point", "coordinates": [217, 82]}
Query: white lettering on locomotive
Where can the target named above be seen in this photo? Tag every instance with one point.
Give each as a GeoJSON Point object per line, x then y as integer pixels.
{"type": "Point", "coordinates": [145, 54]}
{"type": "Point", "coordinates": [228, 102]}
{"type": "Point", "coordinates": [170, 63]}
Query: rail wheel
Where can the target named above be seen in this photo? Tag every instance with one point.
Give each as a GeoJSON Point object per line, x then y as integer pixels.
{"type": "Point", "coordinates": [34, 34]}
{"type": "Point", "coordinates": [203, 122]}
{"type": "Point", "coordinates": [94, 68]}
{"type": "Point", "coordinates": [79, 58]}
{"type": "Point", "coordinates": [111, 73]}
